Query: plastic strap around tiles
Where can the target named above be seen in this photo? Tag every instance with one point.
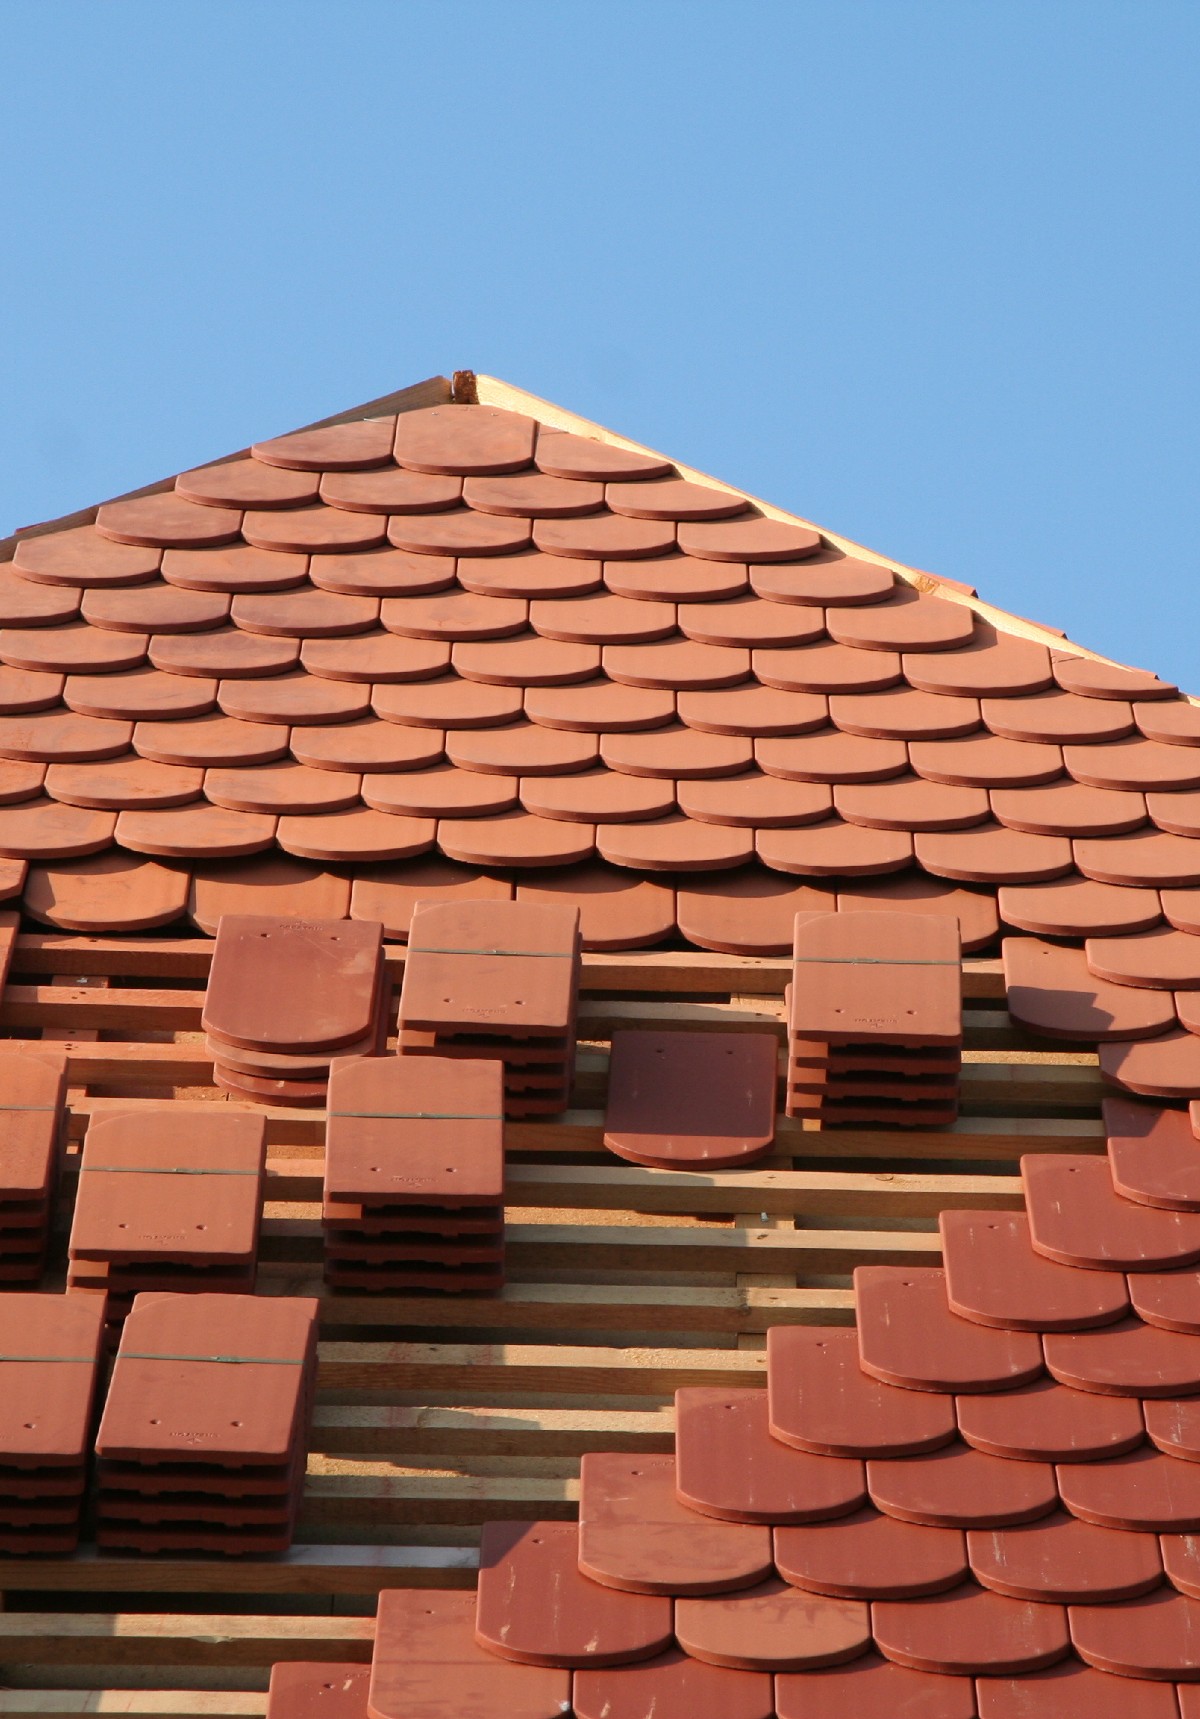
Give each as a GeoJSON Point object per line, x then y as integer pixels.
{"type": "Point", "coordinates": [219, 1360]}
{"type": "Point", "coordinates": [41, 1360]}
{"type": "Point", "coordinates": [417, 1115]}
{"type": "Point", "coordinates": [46, 1107]}
{"type": "Point", "coordinates": [523, 954]}
{"type": "Point", "coordinates": [157, 1170]}
{"type": "Point", "coordinates": [863, 961]}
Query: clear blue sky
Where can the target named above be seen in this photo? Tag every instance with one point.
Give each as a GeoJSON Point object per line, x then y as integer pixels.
{"type": "Point", "coordinates": [923, 270]}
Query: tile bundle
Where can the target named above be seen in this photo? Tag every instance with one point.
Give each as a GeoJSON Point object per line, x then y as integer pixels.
{"type": "Point", "coordinates": [414, 1174]}
{"type": "Point", "coordinates": [203, 1440]}
{"type": "Point", "coordinates": [49, 1364]}
{"type": "Point", "coordinates": [285, 996]}
{"type": "Point", "coordinates": [32, 1098]}
{"type": "Point", "coordinates": [496, 979]}
{"type": "Point", "coordinates": [874, 1016]}
{"type": "Point", "coordinates": [169, 1199]}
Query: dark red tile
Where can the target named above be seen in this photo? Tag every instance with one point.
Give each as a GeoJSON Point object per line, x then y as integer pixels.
{"type": "Point", "coordinates": [1152, 1636]}
{"type": "Point", "coordinates": [111, 893]}
{"type": "Point", "coordinates": [1165, 1067]}
{"type": "Point", "coordinates": [441, 791]}
{"type": "Point", "coordinates": [961, 1487]}
{"type": "Point", "coordinates": [1126, 1360]}
{"type": "Point", "coordinates": [600, 707]}
{"type": "Point", "coordinates": [893, 977]}
{"type": "Point", "coordinates": [674, 844]}
{"type": "Point", "coordinates": [755, 801]}
{"type": "Point", "coordinates": [913, 892]}
{"type": "Point", "coordinates": [1077, 907]}
{"type": "Point", "coordinates": [827, 577]}
{"type": "Point", "coordinates": [82, 556]}
{"type": "Point", "coordinates": [331, 447]}
{"type": "Point", "coordinates": [1170, 1299]}
{"type": "Point", "coordinates": [1049, 1422]}
{"type": "Point", "coordinates": [1077, 1217]}
{"type": "Point", "coordinates": [1108, 680]}
{"type": "Point", "coordinates": [749, 912]}
{"type": "Point", "coordinates": [1175, 724]}
{"type": "Point", "coordinates": [835, 849]}
{"type": "Point", "coordinates": [167, 521]}
{"type": "Point", "coordinates": [316, 1690]}
{"type": "Point", "coordinates": [830, 756]}
{"type": "Point", "coordinates": [750, 623]}
{"type": "Point", "coordinates": [1143, 1492]}
{"type": "Point", "coordinates": [597, 796]}
{"type": "Point", "coordinates": [1051, 991]}
{"type": "Point", "coordinates": [153, 608]}
{"type": "Point", "coordinates": [236, 567]}
{"type": "Point", "coordinates": [382, 573]}
{"type": "Point", "coordinates": [729, 1466]}
{"type": "Point", "coordinates": [908, 1336]}
{"type": "Point", "coordinates": [772, 1628]}
{"type": "Point", "coordinates": [367, 745]}
{"type": "Point", "coordinates": [1136, 763]}
{"type": "Point", "coordinates": [604, 537]}
{"type": "Point", "coordinates": [1068, 809]}
{"type": "Point", "coordinates": [1058, 718]}
{"type": "Point", "coordinates": [457, 532]}
{"type": "Point", "coordinates": [989, 853]}
{"type": "Point", "coordinates": [754, 710]}
{"type": "Point", "coordinates": [871, 1556]}
{"type": "Point", "coordinates": [904, 714]}
{"type": "Point", "coordinates": [970, 1630]}
{"type": "Point", "coordinates": [471, 440]}
{"type": "Point", "coordinates": [1061, 1558]}
{"type": "Point", "coordinates": [673, 1687]}
{"type": "Point", "coordinates": [491, 964]}
{"type": "Point", "coordinates": [195, 832]}
{"type": "Point", "coordinates": [819, 1399]}
{"type": "Point", "coordinates": [565, 455]}
{"type": "Point", "coordinates": [750, 538]}
{"type": "Point", "coordinates": [671, 578]}
{"type": "Point", "coordinates": [1074, 1691]}
{"type": "Point", "coordinates": [141, 696]}
{"type": "Point", "coordinates": [993, 1277]}
{"type": "Point", "coordinates": [910, 803]}
{"type": "Point", "coordinates": [826, 667]}
{"type": "Point", "coordinates": [535, 1607]}
{"type": "Point", "coordinates": [986, 761]}
{"type": "Point", "coordinates": [426, 1661]}
{"type": "Point", "coordinates": [635, 1535]}
{"type": "Point", "coordinates": [872, 1688]}
{"type": "Point", "coordinates": [446, 703]}
{"type": "Point", "coordinates": [992, 663]}
{"type": "Point", "coordinates": [673, 498]}
{"type": "Point", "coordinates": [271, 884]}
{"type": "Point", "coordinates": [1182, 1565]}
{"type": "Point", "coordinates": [254, 999]}
{"type": "Point", "coordinates": [389, 491]}
{"type": "Point", "coordinates": [616, 911]}
{"type": "Point", "coordinates": [390, 896]}
{"type": "Point", "coordinates": [293, 698]}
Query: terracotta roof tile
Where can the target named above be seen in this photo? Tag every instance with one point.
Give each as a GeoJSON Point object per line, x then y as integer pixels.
{"type": "Point", "coordinates": [970, 1630]}
{"type": "Point", "coordinates": [910, 803]}
{"type": "Point", "coordinates": [1058, 718]}
{"type": "Point", "coordinates": [391, 897]}
{"type": "Point", "coordinates": [1151, 858]}
{"type": "Point", "coordinates": [602, 619]}
{"type": "Point", "coordinates": [675, 665]}
{"type": "Point", "coordinates": [167, 521]}
{"type": "Point", "coordinates": [672, 498]}
{"type": "Point", "coordinates": [527, 574]}
{"type": "Point", "coordinates": [236, 567]}
{"type": "Point", "coordinates": [20, 782]}
{"type": "Point", "coordinates": [141, 696]}
{"type": "Point", "coordinates": [750, 622]}
{"type": "Point", "coordinates": [597, 796]}
{"type": "Point", "coordinates": [1178, 813]}
{"type": "Point", "coordinates": [315, 1689]}
{"type": "Point", "coordinates": [959, 1487]}
{"type": "Point", "coordinates": [1051, 990]}
{"type": "Point", "coordinates": [29, 689]}
{"type": "Point", "coordinates": [772, 1628]}
{"type": "Point", "coordinates": [474, 442]}
{"type": "Point", "coordinates": [337, 447]}
{"type": "Point", "coordinates": [1106, 680]}
{"type": "Point", "coordinates": [830, 756]}
{"type": "Point", "coordinates": [1134, 763]}
{"type": "Point", "coordinates": [1181, 908]}
{"type": "Point", "coordinates": [281, 787]}
{"type": "Point", "coordinates": [992, 663]}
{"type": "Point", "coordinates": [26, 604]}
{"type": "Point", "coordinates": [389, 491]}
{"type": "Point", "coordinates": [268, 884]}
{"type": "Point", "coordinates": [1068, 809]}
{"type": "Point", "coordinates": [1076, 907]}
{"type": "Point", "coordinates": [820, 1399]}
{"type": "Point", "coordinates": [458, 532]}
{"type": "Point", "coordinates": [616, 911]}
{"type": "Point", "coordinates": [565, 455]}
{"type": "Point", "coordinates": [986, 761]}
{"type": "Point", "coordinates": [1161, 959]}
{"type": "Point", "coordinates": [826, 667]}
{"type": "Point", "coordinates": [1176, 724]}
{"type": "Point", "coordinates": [446, 702]}
{"type": "Point", "coordinates": [753, 710]}
{"type": "Point", "coordinates": [195, 832]}
{"type": "Point", "coordinates": [907, 621]}
{"type": "Point", "coordinates": [1061, 1558]}
{"type": "Point", "coordinates": [604, 537]}
{"type": "Point", "coordinates": [600, 707]}
{"type": "Point", "coordinates": [43, 829]}
{"type": "Point", "coordinates": [1077, 1216]}
{"type": "Point", "coordinates": [521, 749]}
{"type": "Point", "coordinates": [826, 577]}
{"type": "Point", "coordinates": [677, 752]}
{"type": "Point", "coordinates": [748, 538]}
{"type": "Point", "coordinates": [677, 1102]}
{"type": "Point", "coordinates": [674, 1686]}
{"type": "Point", "coordinates": [516, 838]}
{"type": "Point", "coordinates": [1150, 1636]}
{"type": "Point", "coordinates": [868, 1555]}
{"type": "Point", "coordinates": [670, 578]}
{"type": "Point", "coordinates": [61, 735]}
{"type": "Point", "coordinates": [247, 483]}
{"type": "Point", "coordinates": [72, 647]}
{"type": "Point", "coordinates": [835, 849]}
{"type": "Point", "coordinates": [993, 1277]}
{"type": "Point", "coordinates": [210, 740]}
{"type": "Point", "coordinates": [990, 853]}
{"type": "Point", "coordinates": [1049, 1422]}
{"type": "Point", "coordinates": [442, 790]}
{"type": "Point", "coordinates": [907, 1336]}
{"type": "Point", "coordinates": [81, 556]}
{"type": "Point", "coordinates": [365, 745]}
{"type": "Point", "coordinates": [674, 843]}
{"type": "Point", "coordinates": [1164, 1067]}
{"type": "Point", "coordinates": [127, 782]}
{"type": "Point", "coordinates": [913, 892]}
{"type": "Point", "coordinates": [294, 697]}
{"type": "Point", "coordinates": [152, 609]}
{"type": "Point", "coordinates": [754, 801]}
{"type": "Point", "coordinates": [905, 714]}
{"type": "Point", "coordinates": [526, 661]}
{"type": "Point", "coordinates": [381, 573]}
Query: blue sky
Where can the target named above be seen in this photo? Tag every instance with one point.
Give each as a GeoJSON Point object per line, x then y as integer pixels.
{"type": "Point", "coordinates": [923, 270]}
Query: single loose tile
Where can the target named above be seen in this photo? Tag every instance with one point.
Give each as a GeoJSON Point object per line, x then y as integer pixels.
{"type": "Point", "coordinates": [1176, 724]}
{"type": "Point", "coordinates": [835, 848]}
{"type": "Point", "coordinates": [293, 698]}
{"type": "Point", "coordinates": [389, 490]}
{"type": "Point", "coordinates": [749, 912]}
{"type": "Point", "coordinates": [1108, 680]}
{"type": "Point", "coordinates": [209, 740]}
{"type": "Point", "coordinates": [563, 454]}
{"type": "Point", "coordinates": [674, 1100]}
{"type": "Point", "coordinates": [989, 853]}
{"type": "Point", "coordinates": [1064, 1559]}
{"type": "Point", "coordinates": [61, 735]}
{"type": "Point", "coordinates": [355, 835]}
{"type": "Point", "coordinates": [635, 1535]}
{"type": "Point", "coordinates": [910, 803]}
{"type": "Point", "coordinates": [986, 761]}
{"type": "Point", "coordinates": [904, 714]}
{"type": "Point", "coordinates": [154, 608]}
{"type": "Point", "coordinates": [1077, 1216]}
{"type": "Point", "coordinates": [381, 573]}
{"type": "Point", "coordinates": [446, 703]}
{"type": "Point", "coordinates": [83, 557]}
{"type": "Point", "coordinates": [167, 521]}
{"type": "Point", "coordinates": [870, 1556]}
{"type": "Point", "coordinates": [352, 446]}
{"type": "Point", "coordinates": [819, 1399]}
{"type": "Point", "coordinates": [907, 620]}
{"type": "Point", "coordinates": [528, 574]}
{"type": "Point", "coordinates": [1135, 763]}
{"type": "Point", "coordinates": [600, 707]}
{"type": "Point", "coordinates": [604, 536]}
{"type": "Point", "coordinates": [440, 791]}
{"type": "Point", "coordinates": [674, 1686]}
{"type": "Point", "coordinates": [993, 1277]}
{"type": "Point", "coordinates": [773, 1627]}
{"type": "Point", "coordinates": [43, 829]}
{"type": "Point", "coordinates": [247, 483]}
{"type": "Point", "coordinates": [908, 1336]}
{"type": "Point", "coordinates": [195, 832]}
{"type": "Point", "coordinates": [1077, 907]}
{"type": "Point", "coordinates": [825, 578]}
{"type": "Point", "coordinates": [1164, 1067]}
{"type": "Point", "coordinates": [110, 893]}
{"type": "Point", "coordinates": [535, 1607]}
{"type": "Point", "coordinates": [1049, 1422]}
{"type": "Point", "coordinates": [597, 796]}
{"type": "Point", "coordinates": [140, 696]}
{"type": "Point", "coordinates": [270, 884]}
{"type": "Point", "coordinates": [676, 665]}
{"type": "Point", "coordinates": [255, 998]}
{"type": "Point", "coordinates": [1052, 991]}
{"type": "Point", "coordinates": [1143, 1492]}
{"type": "Point", "coordinates": [749, 538]}
{"type": "Point", "coordinates": [671, 578]}
{"type": "Point", "coordinates": [676, 752]}
{"type": "Point", "coordinates": [471, 440]}
{"type": "Point", "coordinates": [456, 532]}
{"type": "Point", "coordinates": [971, 1631]}
{"type": "Point", "coordinates": [236, 567]}
{"type": "Point", "coordinates": [754, 710]}
{"type": "Point", "coordinates": [124, 782]}
{"type": "Point", "coordinates": [533, 495]}
{"type": "Point", "coordinates": [751, 623]}
{"type": "Point", "coordinates": [1126, 1360]}
{"type": "Point", "coordinates": [755, 801]}
{"type": "Point", "coordinates": [1058, 718]}
{"type": "Point", "coordinates": [728, 1465]}
{"type": "Point", "coordinates": [390, 896]}
{"type": "Point", "coordinates": [367, 745]}
{"type": "Point", "coordinates": [826, 667]}
{"type": "Point", "coordinates": [526, 661]}
{"type": "Point", "coordinates": [521, 749]}
{"type": "Point", "coordinates": [991, 664]}
{"type": "Point", "coordinates": [830, 756]}
{"type": "Point", "coordinates": [961, 1487]}
{"type": "Point", "coordinates": [71, 648]}
{"type": "Point", "coordinates": [282, 787]}
{"type": "Point", "coordinates": [913, 892]}
{"type": "Point", "coordinates": [1073, 1691]}
{"type": "Point", "coordinates": [1153, 1154]}
{"type": "Point", "coordinates": [1153, 1636]}
{"type": "Point", "coordinates": [515, 839]}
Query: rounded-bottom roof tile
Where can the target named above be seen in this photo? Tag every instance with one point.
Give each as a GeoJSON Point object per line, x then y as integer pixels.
{"type": "Point", "coordinates": [44, 829]}
{"type": "Point", "coordinates": [271, 884]}
{"type": "Point", "coordinates": [834, 849]}
{"type": "Point", "coordinates": [516, 839]}
{"type": "Point", "coordinates": [109, 893]}
{"type": "Point", "coordinates": [195, 832]}
{"type": "Point", "coordinates": [616, 911]}
{"type": "Point", "coordinates": [355, 835]}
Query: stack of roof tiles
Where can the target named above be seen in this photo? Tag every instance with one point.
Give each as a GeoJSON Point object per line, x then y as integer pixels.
{"type": "Point", "coordinates": [414, 1175]}
{"type": "Point", "coordinates": [49, 1364]}
{"type": "Point", "coordinates": [287, 995]}
{"type": "Point", "coordinates": [168, 1200]}
{"type": "Point", "coordinates": [985, 1501]}
{"type": "Point", "coordinates": [32, 1098]}
{"type": "Point", "coordinates": [203, 1440]}
{"type": "Point", "coordinates": [875, 1019]}
{"type": "Point", "coordinates": [501, 980]}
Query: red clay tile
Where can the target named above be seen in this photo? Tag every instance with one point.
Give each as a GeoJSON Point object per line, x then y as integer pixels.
{"type": "Point", "coordinates": [536, 1608]}
{"type": "Point", "coordinates": [272, 884]}
{"type": "Point", "coordinates": [209, 740]}
{"type": "Point", "coordinates": [750, 622]}
{"type": "Point", "coordinates": [65, 650]}
{"type": "Point", "coordinates": [1181, 907]}
{"type": "Point", "coordinates": [457, 532]}
{"type": "Point", "coordinates": [282, 787]}
{"type": "Point", "coordinates": [1060, 1558]}
{"type": "Point", "coordinates": [304, 614]}
{"type": "Point", "coordinates": [903, 714]}
{"type": "Point", "coordinates": [677, 1101]}
{"type": "Point", "coordinates": [635, 1535]}
{"type": "Point", "coordinates": [124, 782]}
{"type": "Point", "coordinates": [446, 703]}
{"type": "Point", "coordinates": [602, 620]}
{"type": "Point", "coordinates": [989, 853]}
{"type": "Point", "coordinates": [1170, 1299]}
{"type": "Point", "coordinates": [441, 791]}
{"type": "Point", "coordinates": [755, 801]}
{"type": "Point", "coordinates": [390, 491]}
{"type": "Point", "coordinates": [1049, 1422]}
{"type": "Point", "coordinates": [565, 455]}
{"type": "Point", "coordinates": [1161, 958]}
{"type": "Point", "coordinates": [599, 707]}
{"type": "Point", "coordinates": [410, 1154]}
{"type": "Point", "coordinates": [1153, 1636]}
{"type": "Point", "coordinates": [296, 697]}
{"type": "Point", "coordinates": [910, 803]}
{"type": "Point", "coordinates": [872, 1688]}
{"type": "Point", "coordinates": [597, 796]}
{"type": "Point", "coordinates": [1178, 813]}
{"type": "Point", "coordinates": [1108, 680]}
{"type": "Point", "coordinates": [27, 690]}
{"type": "Point", "coordinates": [750, 538]}
{"type": "Point", "coordinates": [195, 832]}
{"type": "Point", "coordinates": [376, 657]}
{"type": "Point", "coordinates": [677, 664]}
{"type": "Point", "coordinates": [850, 965]}
{"type": "Point", "coordinates": [604, 537]}
{"type": "Point", "coordinates": [515, 839]}
{"type": "Point", "coordinates": [43, 829]}
{"type": "Point", "coordinates": [167, 521]}
{"type": "Point", "coordinates": [754, 710]}
{"type": "Point", "coordinates": [993, 663]}
{"type": "Point", "coordinates": [773, 1627]}
{"type": "Point", "coordinates": [673, 1686]}
{"type": "Point", "coordinates": [82, 556]}
{"type": "Point", "coordinates": [676, 752]}
{"type": "Point", "coordinates": [1068, 809]}
{"type": "Point", "coordinates": [1135, 763]}
{"type": "Point", "coordinates": [616, 911]}
{"type": "Point", "coordinates": [826, 578]}
{"type": "Point", "coordinates": [970, 1630]}
{"type": "Point", "coordinates": [316, 530]}
{"type": "Point", "coordinates": [1076, 907]}
{"type": "Point", "coordinates": [247, 483]}
{"type": "Point", "coordinates": [455, 615]}
{"type": "Point", "coordinates": [1058, 718]}
{"type": "Point", "coordinates": [913, 892]}
{"type": "Point", "coordinates": [20, 781]}
{"type": "Point", "coordinates": [1131, 1359]}
{"type": "Point", "coordinates": [870, 1556]}
{"type": "Point", "coordinates": [1176, 724]}
{"type": "Point", "coordinates": [1188, 1011]}
{"type": "Point", "coordinates": [960, 1487]}
{"type": "Point", "coordinates": [23, 603]}
{"type": "Point", "coordinates": [673, 498]}
{"type": "Point", "coordinates": [729, 1466]}
{"type": "Point", "coordinates": [907, 1336]}
{"type": "Point", "coordinates": [355, 835]}
{"type": "Point", "coordinates": [674, 844]}
{"type": "Point", "coordinates": [390, 897]}
{"type": "Point", "coordinates": [907, 621]}
{"type": "Point", "coordinates": [1074, 1691]}
{"type": "Point", "coordinates": [1052, 992]}
{"type": "Point", "coordinates": [749, 912]}
{"type": "Point", "coordinates": [48, 1407]}
{"type": "Point", "coordinates": [331, 447]}
{"type": "Point", "coordinates": [986, 761]}
{"type": "Point", "coordinates": [1076, 1216]}
{"type": "Point", "coordinates": [1165, 1067]}
{"type": "Point", "coordinates": [528, 574]}
{"type": "Point", "coordinates": [253, 999]}
{"type": "Point", "coordinates": [233, 569]}
{"type": "Point", "coordinates": [533, 495]}
{"type": "Point", "coordinates": [1153, 1155]}
{"type": "Point", "coordinates": [835, 849]}
{"type": "Point", "coordinates": [140, 696]}
{"type": "Point", "coordinates": [1174, 1427]}
{"type": "Point", "coordinates": [671, 578]}
{"type": "Point", "coordinates": [819, 1399]}
{"type": "Point", "coordinates": [318, 1690]}
{"type": "Point", "coordinates": [826, 667]}
{"type": "Point", "coordinates": [471, 440]}
{"type": "Point", "coordinates": [527, 661]}
{"type": "Point", "coordinates": [61, 736]}
{"type": "Point", "coordinates": [994, 1278]}
{"type": "Point", "coordinates": [520, 749]}
{"type": "Point", "coordinates": [153, 609]}
{"type": "Point", "coordinates": [830, 756]}
{"type": "Point", "coordinates": [1144, 1492]}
